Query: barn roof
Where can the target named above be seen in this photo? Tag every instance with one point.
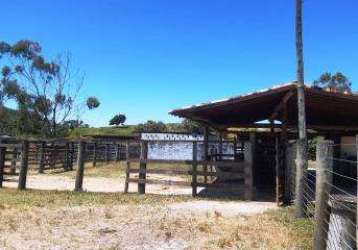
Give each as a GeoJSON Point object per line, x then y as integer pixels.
{"type": "Point", "coordinates": [323, 108]}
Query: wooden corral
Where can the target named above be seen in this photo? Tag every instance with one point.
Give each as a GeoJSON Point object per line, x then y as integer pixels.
{"type": "Point", "coordinates": [210, 170]}
{"type": "Point", "coordinates": [17, 156]}
{"type": "Point", "coordinates": [274, 113]}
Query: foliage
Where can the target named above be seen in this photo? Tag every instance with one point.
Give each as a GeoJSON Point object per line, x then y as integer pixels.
{"type": "Point", "coordinates": [92, 102]}
{"type": "Point", "coordinates": [126, 130]}
{"type": "Point", "coordinates": [186, 126]}
{"type": "Point", "coordinates": [151, 127]}
{"type": "Point", "coordinates": [118, 120]}
{"type": "Point", "coordinates": [45, 91]}
{"type": "Point", "coordinates": [335, 83]}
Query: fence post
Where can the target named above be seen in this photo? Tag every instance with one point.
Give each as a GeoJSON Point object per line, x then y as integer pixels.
{"type": "Point", "coordinates": [324, 160]}
{"type": "Point", "coordinates": [118, 152]}
{"type": "Point", "coordinates": [206, 153]}
{"type": "Point", "coordinates": [2, 164]}
{"type": "Point", "coordinates": [24, 165]}
{"type": "Point", "coordinates": [71, 158]}
{"type": "Point", "coordinates": [80, 165]}
{"type": "Point", "coordinates": [13, 161]}
{"type": "Point", "coordinates": [248, 156]}
{"type": "Point", "coordinates": [106, 154]}
{"type": "Point", "coordinates": [142, 167]}
{"type": "Point", "coordinates": [126, 184]}
{"type": "Point", "coordinates": [94, 154]}
{"type": "Point", "coordinates": [194, 174]}
{"type": "Point", "coordinates": [66, 165]}
{"type": "Point", "coordinates": [301, 173]}
{"type": "Point", "coordinates": [42, 157]}
{"type": "Point", "coordinates": [357, 195]}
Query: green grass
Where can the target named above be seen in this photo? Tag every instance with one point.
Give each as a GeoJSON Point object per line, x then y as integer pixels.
{"type": "Point", "coordinates": [12, 198]}
{"type": "Point", "coordinates": [127, 130]}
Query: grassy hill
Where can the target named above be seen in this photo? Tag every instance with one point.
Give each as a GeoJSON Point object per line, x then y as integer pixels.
{"type": "Point", "coordinates": [127, 130]}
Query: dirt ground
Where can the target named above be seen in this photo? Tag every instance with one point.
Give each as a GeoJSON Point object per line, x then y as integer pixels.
{"type": "Point", "coordinates": [120, 227]}
{"type": "Point", "coordinates": [99, 184]}
{"type": "Point", "coordinates": [190, 224]}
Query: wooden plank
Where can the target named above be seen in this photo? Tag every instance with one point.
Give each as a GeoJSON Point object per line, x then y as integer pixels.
{"type": "Point", "coordinates": [183, 162]}
{"type": "Point", "coordinates": [281, 105]}
{"type": "Point", "coordinates": [224, 185]}
{"type": "Point", "coordinates": [11, 174]}
{"type": "Point", "coordinates": [188, 172]}
{"type": "Point", "coordinates": [162, 182]}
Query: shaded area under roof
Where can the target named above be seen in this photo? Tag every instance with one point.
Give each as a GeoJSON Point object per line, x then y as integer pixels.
{"type": "Point", "coordinates": [323, 108]}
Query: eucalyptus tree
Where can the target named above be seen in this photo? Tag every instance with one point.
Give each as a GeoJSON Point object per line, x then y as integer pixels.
{"type": "Point", "coordinates": [46, 91]}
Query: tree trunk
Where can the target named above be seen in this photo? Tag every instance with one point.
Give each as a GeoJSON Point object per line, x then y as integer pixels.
{"type": "Point", "coordinates": [302, 152]}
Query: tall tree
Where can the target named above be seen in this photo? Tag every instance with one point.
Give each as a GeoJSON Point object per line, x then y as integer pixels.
{"type": "Point", "coordinates": [118, 120]}
{"type": "Point", "coordinates": [45, 91]}
{"type": "Point", "coordinates": [302, 146]}
{"type": "Point", "coordinates": [337, 82]}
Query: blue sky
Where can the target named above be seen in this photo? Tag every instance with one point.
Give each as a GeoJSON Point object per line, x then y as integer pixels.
{"type": "Point", "coordinates": [146, 57]}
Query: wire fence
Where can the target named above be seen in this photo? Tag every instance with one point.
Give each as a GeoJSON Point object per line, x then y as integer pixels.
{"type": "Point", "coordinates": [330, 195]}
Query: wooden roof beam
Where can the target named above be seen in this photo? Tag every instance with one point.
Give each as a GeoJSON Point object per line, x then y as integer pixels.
{"type": "Point", "coordinates": [281, 105]}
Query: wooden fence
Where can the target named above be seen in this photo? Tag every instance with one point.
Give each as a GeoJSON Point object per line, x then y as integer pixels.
{"type": "Point", "coordinates": [200, 173]}
{"type": "Point", "coordinates": [18, 156]}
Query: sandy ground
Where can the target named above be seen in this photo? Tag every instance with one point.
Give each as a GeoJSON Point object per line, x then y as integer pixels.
{"type": "Point", "coordinates": [99, 184]}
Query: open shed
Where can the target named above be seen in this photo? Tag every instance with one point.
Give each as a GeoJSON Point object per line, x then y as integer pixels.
{"type": "Point", "coordinates": [328, 114]}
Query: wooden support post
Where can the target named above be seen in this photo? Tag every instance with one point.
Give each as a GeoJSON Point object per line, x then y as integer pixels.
{"type": "Point", "coordinates": [118, 152]}
{"type": "Point", "coordinates": [126, 184]}
{"type": "Point", "coordinates": [2, 164]}
{"type": "Point", "coordinates": [42, 157]}
{"type": "Point", "coordinates": [13, 161]}
{"type": "Point", "coordinates": [284, 167]}
{"type": "Point", "coordinates": [249, 159]}
{"type": "Point", "coordinates": [278, 170]}
{"type": "Point", "coordinates": [94, 154]}
{"type": "Point", "coordinates": [24, 165]}
{"type": "Point", "coordinates": [66, 165]}
{"type": "Point", "coordinates": [220, 145]}
{"type": "Point", "coordinates": [206, 152]}
{"type": "Point", "coordinates": [194, 174]}
{"type": "Point", "coordinates": [323, 186]}
{"type": "Point", "coordinates": [142, 167]}
{"type": "Point", "coordinates": [301, 174]}
{"type": "Point", "coordinates": [80, 165]}
{"type": "Point", "coordinates": [106, 152]}
{"type": "Point", "coordinates": [72, 153]}
{"type": "Point", "coordinates": [357, 197]}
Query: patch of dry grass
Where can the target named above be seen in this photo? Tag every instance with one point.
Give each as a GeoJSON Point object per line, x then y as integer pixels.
{"type": "Point", "coordinates": [276, 229]}
{"type": "Point", "coordinates": [12, 198]}
{"type": "Point", "coordinates": [117, 221]}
